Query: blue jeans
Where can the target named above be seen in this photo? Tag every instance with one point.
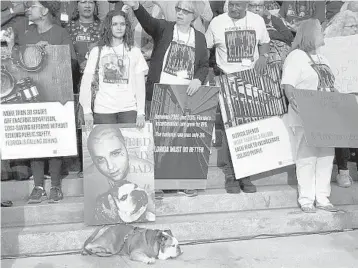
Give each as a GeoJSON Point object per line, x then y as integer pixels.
{"type": "Point", "coordinates": [114, 118]}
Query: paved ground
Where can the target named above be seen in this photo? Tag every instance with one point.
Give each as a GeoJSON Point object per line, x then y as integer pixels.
{"type": "Point", "coordinates": [329, 250]}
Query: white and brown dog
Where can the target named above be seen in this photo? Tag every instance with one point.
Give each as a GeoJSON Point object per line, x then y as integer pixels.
{"type": "Point", "coordinates": [124, 203]}
{"type": "Point", "coordinates": [144, 245]}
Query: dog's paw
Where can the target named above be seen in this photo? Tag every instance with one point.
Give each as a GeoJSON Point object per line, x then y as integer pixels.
{"type": "Point", "coordinates": [149, 260]}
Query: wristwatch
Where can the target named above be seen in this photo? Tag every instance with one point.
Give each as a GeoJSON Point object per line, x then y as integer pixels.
{"type": "Point", "coordinates": [11, 10]}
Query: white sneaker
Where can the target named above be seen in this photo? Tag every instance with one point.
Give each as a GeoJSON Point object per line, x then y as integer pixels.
{"type": "Point", "coordinates": [344, 180]}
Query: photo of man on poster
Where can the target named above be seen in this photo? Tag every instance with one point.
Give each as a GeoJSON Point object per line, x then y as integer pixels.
{"type": "Point", "coordinates": [126, 199]}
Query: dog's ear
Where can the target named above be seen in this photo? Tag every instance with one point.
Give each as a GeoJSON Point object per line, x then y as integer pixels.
{"type": "Point", "coordinates": [169, 232]}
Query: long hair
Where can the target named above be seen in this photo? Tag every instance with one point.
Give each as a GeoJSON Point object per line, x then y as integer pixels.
{"type": "Point", "coordinates": [76, 15]}
{"type": "Point", "coordinates": [106, 34]}
{"type": "Point", "coordinates": [306, 35]}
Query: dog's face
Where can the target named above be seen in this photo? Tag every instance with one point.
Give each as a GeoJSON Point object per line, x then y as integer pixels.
{"type": "Point", "coordinates": [169, 246]}
{"type": "Point", "coordinates": [131, 201]}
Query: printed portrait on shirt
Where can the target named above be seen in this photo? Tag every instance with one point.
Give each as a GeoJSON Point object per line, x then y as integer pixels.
{"type": "Point", "coordinates": [115, 68]}
{"type": "Point", "coordinates": [180, 60]}
{"type": "Point", "coordinates": [325, 77]}
{"type": "Point", "coordinates": [240, 44]}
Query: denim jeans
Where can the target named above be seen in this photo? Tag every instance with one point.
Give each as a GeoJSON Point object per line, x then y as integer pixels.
{"type": "Point", "coordinates": [120, 117]}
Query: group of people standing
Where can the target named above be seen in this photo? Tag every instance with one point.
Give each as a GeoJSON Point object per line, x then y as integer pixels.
{"type": "Point", "coordinates": [109, 52]}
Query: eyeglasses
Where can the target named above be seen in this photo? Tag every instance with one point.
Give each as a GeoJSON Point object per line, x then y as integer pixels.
{"type": "Point", "coordinates": [32, 6]}
{"type": "Point", "coordinates": [184, 11]}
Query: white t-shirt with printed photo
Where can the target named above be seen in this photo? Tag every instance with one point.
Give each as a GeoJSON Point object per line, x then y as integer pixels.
{"type": "Point", "coordinates": [117, 72]}
{"type": "Point", "coordinates": [299, 73]}
{"type": "Point", "coordinates": [237, 41]}
{"type": "Point", "coordinates": [179, 59]}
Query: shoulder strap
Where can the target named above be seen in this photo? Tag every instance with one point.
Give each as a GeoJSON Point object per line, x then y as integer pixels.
{"type": "Point", "coordinates": [98, 58]}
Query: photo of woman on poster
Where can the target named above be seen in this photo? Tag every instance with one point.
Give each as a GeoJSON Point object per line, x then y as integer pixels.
{"type": "Point", "coordinates": [124, 201]}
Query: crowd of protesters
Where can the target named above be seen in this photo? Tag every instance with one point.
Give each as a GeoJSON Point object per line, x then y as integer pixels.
{"type": "Point", "coordinates": [129, 45]}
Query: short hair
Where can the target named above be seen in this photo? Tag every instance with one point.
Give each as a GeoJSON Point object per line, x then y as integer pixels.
{"type": "Point", "coordinates": [106, 30]}
{"type": "Point", "coordinates": [305, 38]}
{"type": "Point", "coordinates": [99, 131]}
{"type": "Point", "coordinates": [197, 7]}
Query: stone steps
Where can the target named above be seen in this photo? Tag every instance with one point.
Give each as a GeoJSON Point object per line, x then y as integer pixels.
{"type": "Point", "coordinates": [71, 209]}
{"type": "Point", "coordinates": [65, 238]}
{"type": "Point", "coordinates": [73, 186]}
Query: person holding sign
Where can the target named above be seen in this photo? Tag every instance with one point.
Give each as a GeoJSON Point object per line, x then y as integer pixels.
{"type": "Point", "coordinates": [42, 32]}
{"type": "Point", "coordinates": [242, 42]}
{"type": "Point", "coordinates": [179, 54]}
{"type": "Point", "coordinates": [306, 69]}
{"type": "Point", "coordinates": [121, 68]}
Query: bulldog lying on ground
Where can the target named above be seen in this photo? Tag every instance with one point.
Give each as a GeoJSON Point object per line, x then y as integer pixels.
{"type": "Point", "coordinates": [144, 245]}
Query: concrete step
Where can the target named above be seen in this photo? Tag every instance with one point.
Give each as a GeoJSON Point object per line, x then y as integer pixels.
{"type": "Point", "coordinates": [73, 186]}
{"type": "Point", "coordinates": [64, 238]}
{"type": "Point", "coordinates": [71, 209]}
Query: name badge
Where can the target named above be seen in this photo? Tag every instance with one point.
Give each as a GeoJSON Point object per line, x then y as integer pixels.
{"type": "Point", "coordinates": [64, 17]}
{"type": "Point", "coordinates": [246, 62]}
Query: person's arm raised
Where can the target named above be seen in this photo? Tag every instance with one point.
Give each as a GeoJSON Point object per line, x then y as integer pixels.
{"type": "Point", "coordinates": [151, 25]}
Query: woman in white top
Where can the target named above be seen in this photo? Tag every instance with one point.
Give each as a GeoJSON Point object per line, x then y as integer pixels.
{"type": "Point", "coordinates": [121, 73]}
{"type": "Point", "coordinates": [305, 69]}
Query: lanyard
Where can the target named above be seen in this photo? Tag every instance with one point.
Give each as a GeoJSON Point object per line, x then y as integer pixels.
{"type": "Point", "coordinates": [186, 44]}
{"type": "Point", "coordinates": [241, 19]}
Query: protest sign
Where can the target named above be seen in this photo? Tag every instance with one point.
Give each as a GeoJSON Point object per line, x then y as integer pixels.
{"type": "Point", "coordinates": [183, 127]}
{"type": "Point", "coordinates": [250, 104]}
{"type": "Point", "coordinates": [37, 104]}
{"type": "Point", "coordinates": [119, 174]}
{"type": "Point", "coordinates": [340, 53]}
{"type": "Point", "coordinates": [248, 97]}
{"type": "Point", "coordinates": [329, 118]}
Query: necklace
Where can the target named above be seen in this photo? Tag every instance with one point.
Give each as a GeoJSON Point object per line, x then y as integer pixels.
{"type": "Point", "coordinates": [179, 37]}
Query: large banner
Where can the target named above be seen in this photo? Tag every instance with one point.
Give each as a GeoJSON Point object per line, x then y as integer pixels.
{"type": "Point", "coordinates": [329, 119]}
{"type": "Point", "coordinates": [37, 104]}
{"type": "Point", "coordinates": [183, 128]}
{"type": "Point", "coordinates": [340, 53]}
{"type": "Point", "coordinates": [119, 174]}
{"type": "Point", "coordinates": [259, 140]}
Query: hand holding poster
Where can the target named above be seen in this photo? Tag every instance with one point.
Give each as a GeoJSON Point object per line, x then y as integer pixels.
{"type": "Point", "coordinates": [343, 59]}
{"type": "Point", "coordinates": [37, 104]}
{"type": "Point", "coordinates": [183, 127]}
{"type": "Point", "coordinates": [258, 140]}
{"type": "Point", "coordinates": [119, 174]}
{"type": "Point", "coordinates": [329, 119]}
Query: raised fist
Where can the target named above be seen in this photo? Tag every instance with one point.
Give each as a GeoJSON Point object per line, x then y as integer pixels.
{"type": "Point", "coordinates": [133, 4]}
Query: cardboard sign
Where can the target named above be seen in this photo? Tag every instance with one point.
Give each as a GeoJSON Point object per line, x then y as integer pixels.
{"type": "Point", "coordinates": [260, 146]}
{"type": "Point", "coordinates": [37, 104]}
{"type": "Point", "coordinates": [340, 53]}
{"type": "Point", "coordinates": [183, 127]}
{"type": "Point", "coordinates": [119, 174]}
{"type": "Point", "coordinates": [259, 141]}
{"type": "Point", "coordinates": [246, 97]}
{"type": "Point", "coordinates": [329, 119]}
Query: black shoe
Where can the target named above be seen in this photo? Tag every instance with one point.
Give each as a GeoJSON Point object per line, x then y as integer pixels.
{"type": "Point", "coordinates": [37, 195]}
{"type": "Point", "coordinates": [232, 185]}
{"type": "Point", "coordinates": [247, 186]}
{"type": "Point", "coordinates": [55, 195]}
